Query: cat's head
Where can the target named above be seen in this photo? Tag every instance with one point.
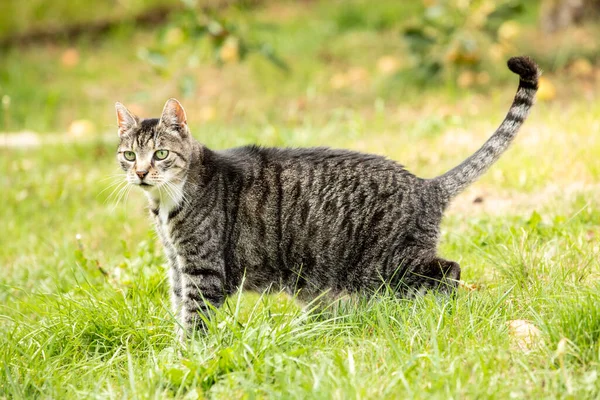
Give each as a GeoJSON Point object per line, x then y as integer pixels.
{"type": "Point", "coordinates": [154, 152]}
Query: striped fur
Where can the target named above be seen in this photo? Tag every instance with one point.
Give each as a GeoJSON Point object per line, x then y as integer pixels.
{"type": "Point", "coordinates": [301, 220]}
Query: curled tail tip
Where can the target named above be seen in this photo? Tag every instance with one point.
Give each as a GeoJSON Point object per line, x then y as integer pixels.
{"type": "Point", "coordinates": [525, 67]}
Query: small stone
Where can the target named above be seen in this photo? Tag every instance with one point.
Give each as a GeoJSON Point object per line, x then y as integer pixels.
{"type": "Point", "coordinates": [526, 336]}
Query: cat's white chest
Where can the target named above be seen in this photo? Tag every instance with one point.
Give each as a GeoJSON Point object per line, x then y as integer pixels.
{"type": "Point", "coordinates": [164, 210]}
{"type": "Point", "coordinates": [167, 201]}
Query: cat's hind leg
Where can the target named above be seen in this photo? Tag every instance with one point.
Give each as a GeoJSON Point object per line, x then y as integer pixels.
{"type": "Point", "coordinates": [437, 275]}
{"type": "Point", "coordinates": [443, 275]}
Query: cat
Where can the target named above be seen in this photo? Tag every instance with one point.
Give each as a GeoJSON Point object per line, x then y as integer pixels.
{"type": "Point", "coordinates": [301, 220]}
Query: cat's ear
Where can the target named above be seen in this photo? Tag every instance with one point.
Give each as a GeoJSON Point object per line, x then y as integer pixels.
{"type": "Point", "coordinates": [173, 116]}
{"type": "Point", "coordinates": [125, 119]}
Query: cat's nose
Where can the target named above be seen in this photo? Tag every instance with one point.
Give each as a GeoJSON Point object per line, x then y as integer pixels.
{"type": "Point", "coordinates": [141, 174]}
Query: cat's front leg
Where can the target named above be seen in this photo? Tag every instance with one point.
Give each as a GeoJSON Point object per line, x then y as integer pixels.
{"type": "Point", "coordinates": [174, 276]}
{"type": "Point", "coordinates": [174, 273]}
{"type": "Point", "coordinates": [176, 288]}
{"type": "Point", "coordinates": [202, 283]}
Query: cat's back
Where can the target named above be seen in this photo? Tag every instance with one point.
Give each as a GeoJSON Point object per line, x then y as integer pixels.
{"type": "Point", "coordinates": [317, 161]}
{"type": "Point", "coordinates": [320, 181]}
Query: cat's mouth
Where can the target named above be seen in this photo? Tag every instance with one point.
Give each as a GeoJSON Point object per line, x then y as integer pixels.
{"type": "Point", "coordinates": [144, 184]}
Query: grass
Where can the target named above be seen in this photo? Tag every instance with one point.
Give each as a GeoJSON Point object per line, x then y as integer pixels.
{"type": "Point", "coordinates": [84, 310]}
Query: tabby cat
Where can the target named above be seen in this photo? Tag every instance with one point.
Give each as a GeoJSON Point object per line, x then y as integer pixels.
{"type": "Point", "coordinates": [302, 220]}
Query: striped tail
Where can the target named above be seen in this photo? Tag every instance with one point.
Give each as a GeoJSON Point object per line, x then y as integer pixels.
{"type": "Point", "coordinates": [460, 177]}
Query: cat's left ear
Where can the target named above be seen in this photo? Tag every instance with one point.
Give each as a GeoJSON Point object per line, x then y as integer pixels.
{"type": "Point", "coordinates": [125, 119]}
{"type": "Point", "coordinates": [173, 116]}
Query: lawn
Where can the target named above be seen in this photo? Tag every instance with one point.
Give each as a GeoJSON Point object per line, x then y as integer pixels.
{"type": "Point", "coordinates": [84, 309]}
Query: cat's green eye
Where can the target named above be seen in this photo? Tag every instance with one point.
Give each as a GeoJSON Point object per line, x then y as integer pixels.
{"type": "Point", "coordinates": [129, 155]}
{"type": "Point", "coordinates": [161, 154]}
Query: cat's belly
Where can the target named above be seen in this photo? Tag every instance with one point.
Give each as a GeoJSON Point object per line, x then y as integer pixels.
{"type": "Point", "coordinates": [338, 252]}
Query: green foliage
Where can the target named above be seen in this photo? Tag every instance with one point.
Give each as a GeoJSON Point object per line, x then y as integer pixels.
{"type": "Point", "coordinates": [452, 35]}
{"type": "Point", "coordinates": [201, 33]}
{"type": "Point", "coordinates": [364, 15]}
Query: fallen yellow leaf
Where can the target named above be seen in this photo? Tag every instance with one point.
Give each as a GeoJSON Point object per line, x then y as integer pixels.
{"type": "Point", "coordinates": [230, 51]}
{"type": "Point", "coordinates": [338, 81]}
{"type": "Point", "coordinates": [581, 68]}
{"type": "Point", "coordinates": [70, 58]}
{"type": "Point", "coordinates": [81, 128]}
{"type": "Point", "coordinates": [207, 113]}
{"type": "Point", "coordinates": [467, 286]}
{"type": "Point", "coordinates": [387, 65]}
{"type": "Point", "coordinates": [508, 31]}
{"type": "Point", "coordinates": [357, 75]}
{"type": "Point", "coordinates": [466, 79]}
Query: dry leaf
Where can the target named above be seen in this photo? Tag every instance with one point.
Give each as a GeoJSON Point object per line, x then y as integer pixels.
{"type": "Point", "coordinates": [174, 37]}
{"type": "Point", "coordinates": [483, 78]}
{"type": "Point", "coordinates": [387, 65]}
{"type": "Point", "coordinates": [466, 79]}
{"type": "Point", "coordinates": [230, 51]}
{"type": "Point", "coordinates": [508, 31]}
{"type": "Point", "coordinates": [581, 68]}
{"type": "Point", "coordinates": [338, 81]}
{"type": "Point", "coordinates": [467, 286]}
{"type": "Point", "coordinates": [357, 75]}
{"type": "Point", "coordinates": [81, 128]}
{"type": "Point", "coordinates": [497, 52]}
{"type": "Point", "coordinates": [590, 235]}
{"type": "Point", "coordinates": [70, 58]}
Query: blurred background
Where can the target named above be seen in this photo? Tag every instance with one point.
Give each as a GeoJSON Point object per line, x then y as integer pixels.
{"type": "Point", "coordinates": [288, 63]}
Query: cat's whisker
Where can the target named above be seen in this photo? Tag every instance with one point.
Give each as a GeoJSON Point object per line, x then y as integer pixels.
{"type": "Point", "coordinates": [127, 195]}
{"type": "Point", "coordinates": [114, 194]}
{"type": "Point", "coordinates": [160, 196]}
{"type": "Point", "coordinates": [120, 195]}
{"type": "Point", "coordinates": [112, 177]}
{"type": "Point", "coordinates": [170, 190]}
{"type": "Point", "coordinates": [183, 193]}
{"type": "Point", "coordinates": [111, 186]}
{"type": "Point", "coordinates": [177, 192]}
{"type": "Point", "coordinates": [180, 193]}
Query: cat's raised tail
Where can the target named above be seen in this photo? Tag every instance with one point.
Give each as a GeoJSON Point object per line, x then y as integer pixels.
{"type": "Point", "coordinates": [460, 177]}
